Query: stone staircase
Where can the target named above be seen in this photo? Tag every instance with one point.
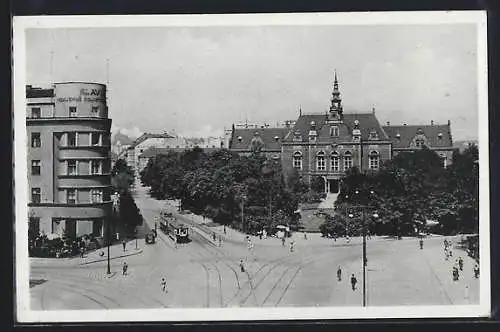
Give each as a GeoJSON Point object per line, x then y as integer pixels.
{"type": "Point", "coordinates": [311, 220]}
{"type": "Point", "coordinates": [329, 201]}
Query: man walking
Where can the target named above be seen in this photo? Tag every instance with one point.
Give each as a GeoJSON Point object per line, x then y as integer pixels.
{"type": "Point", "coordinates": [460, 263]}
{"type": "Point", "coordinates": [354, 281]}
{"type": "Point", "coordinates": [339, 274]}
{"type": "Point", "coordinates": [164, 285]}
{"type": "Point", "coordinates": [124, 268]}
{"type": "Point", "coordinates": [291, 246]}
{"type": "Point", "coordinates": [283, 241]}
{"type": "Point", "coordinates": [242, 267]}
{"type": "Point", "coordinates": [476, 271]}
{"type": "Point", "coordinates": [224, 229]}
{"type": "Point", "coordinates": [421, 242]}
{"type": "Point", "coordinates": [124, 244]}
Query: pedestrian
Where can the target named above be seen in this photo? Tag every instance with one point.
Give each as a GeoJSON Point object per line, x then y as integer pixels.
{"type": "Point", "coordinates": [291, 246]}
{"type": "Point", "coordinates": [354, 281]}
{"type": "Point", "coordinates": [260, 235]}
{"type": "Point", "coordinates": [124, 268]}
{"type": "Point", "coordinates": [124, 244]}
{"type": "Point", "coordinates": [476, 271]}
{"type": "Point", "coordinates": [339, 274]}
{"type": "Point", "coordinates": [214, 236]}
{"type": "Point", "coordinates": [466, 292]}
{"type": "Point", "coordinates": [82, 252]}
{"type": "Point", "coordinates": [455, 273]}
{"type": "Point", "coordinates": [460, 263]}
{"type": "Point", "coordinates": [220, 241]}
{"type": "Point", "coordinates": [283, 241]}
{"type": "Point", "coordinates": [421, 242]}
{"type": "Point", "coordinates": [242, 266]}
{"type": "Point", "coordinates": [450, 253]}
{"type": "Point", "coordinates": [164, 285]}
{"type": "Point", "coordinates": [347, 239]}
{"type": "Point", "coordinates": [224, 229]}
{"type": "Point", "coordinates": [305, 236]}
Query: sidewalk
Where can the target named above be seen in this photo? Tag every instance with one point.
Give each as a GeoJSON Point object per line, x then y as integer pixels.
{"type": "Point", "coordinates": [116, 251]}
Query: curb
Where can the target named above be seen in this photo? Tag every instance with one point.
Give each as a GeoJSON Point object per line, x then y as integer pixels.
{"type": "Point", "coordinates": [105, 259]}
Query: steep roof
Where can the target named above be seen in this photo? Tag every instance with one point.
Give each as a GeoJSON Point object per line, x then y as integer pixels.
{"type": "Point", "coordinates": [431, 132]}
{"type": "Point", "coordinates": [32, 92]}
{"type": "Point", "coordinates": [268, 136]}
{"type": "Point", "coordinates": [147, 136]}
{"type": "Point", "coordinates": [367, 123]}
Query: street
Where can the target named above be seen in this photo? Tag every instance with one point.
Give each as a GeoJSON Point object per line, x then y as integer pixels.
{"type": "Point", "coordinates": [203, 274]}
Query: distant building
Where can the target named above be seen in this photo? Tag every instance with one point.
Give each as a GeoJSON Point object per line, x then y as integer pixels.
{"type": "Point", "coordinates": [436, 137]}
{"type": "Point", "coordinates": [68, 159]}
{"type": "Point", "coordinates": [326, 145]}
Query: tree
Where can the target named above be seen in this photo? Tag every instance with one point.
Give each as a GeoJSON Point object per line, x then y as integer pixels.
{"type": "Point", "coordinates": [122, 176]}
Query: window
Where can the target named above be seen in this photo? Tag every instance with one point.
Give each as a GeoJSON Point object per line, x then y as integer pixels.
{"type": "Point", "coordinates": [72, 139]}
{"type": "Point", "coordinates": [72, 111]}
{"type": "Point", "coordinates": [95, 139]}
{"type": "Point", "coordinates": [36, 112]}
{"type": "Point", "coordinates": [95, 167]}
{"type": "Point", "coordinates": [320, 161]}
{"type": "Point", "coordinates": [35, 167]}
{"type": "Point", "coordinates": [96, 195]}
{"type": "Point", "coordinates": [36, 195]}
{"type": "Point", "coordinates": [335, 162]}
{"type": "Point", "coordinates": [36, 141]}
{"type": "Point", "coordinates": [419, 142]}
{"type": "Point", "coordinates": [373, 160]}
{"type": "Point", "coordinates": [334, 131]}
{"type": "Point", "coordinates": [95, 110]}
{"type": "Point", "coordinates": [34, 227]}
{"type": "Point", "coordinates": [347, 160]}
{"type": "Point", "coordinates": [297, 160]}
{"type": "Point", "coordinates": [373, 134]}
{"type": "Point", "coordinates": [71, 196]}
{"type": "Point", "coordinates": [444, 160]}
{"type": "Point", "coordinates": [72, 167]}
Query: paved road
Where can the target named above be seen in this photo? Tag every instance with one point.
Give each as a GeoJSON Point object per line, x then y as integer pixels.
{"type": "Point", "coordinates": [204, 274]}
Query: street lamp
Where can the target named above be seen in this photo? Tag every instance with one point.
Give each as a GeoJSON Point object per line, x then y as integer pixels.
{"type": "Point", "coordinates": [365, 261]}
{"type": "Point", "coordinates": [115, 199]}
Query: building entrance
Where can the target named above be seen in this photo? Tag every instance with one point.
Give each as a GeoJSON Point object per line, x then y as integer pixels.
{"type": "Point", "coordinates": [333, 186]}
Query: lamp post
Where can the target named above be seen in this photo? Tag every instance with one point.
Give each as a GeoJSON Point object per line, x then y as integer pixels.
{"type": "Point", "coordinates": [115, 199]}
{"type": "Point", "coordinates": [363, 220]}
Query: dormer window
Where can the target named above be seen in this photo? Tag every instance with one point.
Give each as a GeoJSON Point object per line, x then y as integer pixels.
{"type": "Point", "coordinates": [440, 136]}
{"type": "Point", "coordinates": [297, 136]}
{"type": "Point", "coordinates": [276, 138]}
{"type": "Point", "coordinates": [398, 136]}
{"type": "Point", "coordinates": [419, 142]}
{"type": "Point", "coordinates": [240, 138]}
{"type": "Point", "coordinates": [373, 135]}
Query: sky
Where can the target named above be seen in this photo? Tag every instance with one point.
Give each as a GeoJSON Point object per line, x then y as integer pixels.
{"type": "Point", "coordinates": [196, 81]}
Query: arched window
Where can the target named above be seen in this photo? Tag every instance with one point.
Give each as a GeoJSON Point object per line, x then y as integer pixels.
{"type": "Point", "coordinates": [335, 161]}
{"type": "Point", "coordinates": [297, 160]}
{"type": "Point", "coordinates": [320, 161]}
{"type": "Point", "coordinates": [347, 160]}
{"type": "Point", "coordinates": [334, 131]}
{"type": "Point", "coordinates": [373, 159]}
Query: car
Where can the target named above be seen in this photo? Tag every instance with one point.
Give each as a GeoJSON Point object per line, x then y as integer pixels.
{"type": "Point", "coordinates": [150, 238]}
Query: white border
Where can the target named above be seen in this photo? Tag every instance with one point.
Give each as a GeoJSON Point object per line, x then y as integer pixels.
{"type": "Point", "coordinates": [379, 18]}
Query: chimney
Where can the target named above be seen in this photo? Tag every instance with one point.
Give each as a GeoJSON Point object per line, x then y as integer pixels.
{"type": "Point", "coordinates": [432, 122]}
{"type": "Point", "coordinates": [388, 123]}
{"type": "Point", "coordinates": [404, 124]}
{"type": "Point", "coordinates": [449, 122]}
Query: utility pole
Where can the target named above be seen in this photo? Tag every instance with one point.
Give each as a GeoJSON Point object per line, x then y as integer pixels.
{"type": "Point", "coordinates": [364, 259]}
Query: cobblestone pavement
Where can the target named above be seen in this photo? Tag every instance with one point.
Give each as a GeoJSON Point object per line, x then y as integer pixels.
{"type": "Point", "coordinates": [203, 273]}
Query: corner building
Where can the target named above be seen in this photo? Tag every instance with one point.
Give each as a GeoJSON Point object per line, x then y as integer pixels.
{"type": "Point", "coordinates": [69, 159]}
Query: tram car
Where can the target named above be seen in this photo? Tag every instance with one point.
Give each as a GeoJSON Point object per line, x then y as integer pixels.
{"type": "Point", "coordinates": [173, 228]}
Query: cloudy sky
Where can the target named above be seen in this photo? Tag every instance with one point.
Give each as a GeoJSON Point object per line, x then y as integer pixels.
{"type": "Point", "coordinates": [198, 80]}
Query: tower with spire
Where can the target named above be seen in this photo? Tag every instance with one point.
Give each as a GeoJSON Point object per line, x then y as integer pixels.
{"type": "Point", "coordinates": [335, 114]}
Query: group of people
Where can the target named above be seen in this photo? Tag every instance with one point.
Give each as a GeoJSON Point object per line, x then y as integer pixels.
{"type": "Point", "coordinates": [353, 280]}
{"type": "Point", "coordinates": [458, 267]}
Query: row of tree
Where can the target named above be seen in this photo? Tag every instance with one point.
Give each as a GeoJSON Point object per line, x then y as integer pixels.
{"type": "Point", "coordinates": [129, 215]}
{"type": "Point", "coordinates": [406, 193]}
{"type": "Point", "coordinates": [248, 192]}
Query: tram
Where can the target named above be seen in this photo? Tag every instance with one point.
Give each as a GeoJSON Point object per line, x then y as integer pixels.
{"type": "Point", "coordinates": [173, 228]}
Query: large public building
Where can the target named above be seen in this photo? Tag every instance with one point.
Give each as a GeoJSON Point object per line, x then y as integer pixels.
{"type": "Point", "coordinates": [69, 159]}
{"type": "Point", "coordinates": [327, 144]}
